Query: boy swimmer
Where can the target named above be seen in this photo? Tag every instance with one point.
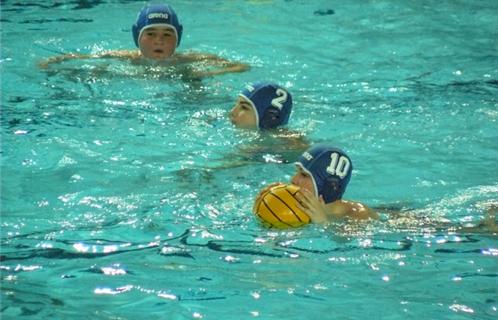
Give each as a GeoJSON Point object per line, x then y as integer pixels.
{"type": "Point", "coordinates": [263, 105]}
{"type": "Point", "coordinates": [323, 173]}
{"type": "Point", "coordinates": [267, 106]}
{"type": "Point", "coordinates": [157, 33]}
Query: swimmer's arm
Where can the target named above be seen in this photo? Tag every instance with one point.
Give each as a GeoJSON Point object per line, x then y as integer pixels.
{"type": "Point", "coordinates": [125, 54]}
{"type": "Point", "coordinates": [200, 57]}
{"type": "Point", "coordinates": [221, 65]}
{"type": "Point", "coordinates": [233, 67]}
{"type": "Point", "coordinates": [351, 209]}
{"type": "Point", "coordinates": [292, 140]}
{"type": "Point", "coordinates": [58, 59]}
{"type": "Point", "coordinates": [319, 212]}
{"type": "Point", "coordinates": [363, 212]}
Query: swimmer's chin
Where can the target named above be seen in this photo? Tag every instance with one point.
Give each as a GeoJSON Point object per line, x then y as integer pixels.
{"type": "Point", "coordinates": [163, 60]}
{"type": "Point", "coordinates": [158, 55]}
{"type": "Point", "coordinates": [234, 123]}
{"type": "Point", "coordinates": [244, 127]}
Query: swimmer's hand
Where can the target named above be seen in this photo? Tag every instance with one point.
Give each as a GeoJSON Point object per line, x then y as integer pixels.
{"type": "Point", "coordinates": [489, 222]}
{"type": "Point", "coordinates": [314, 208]}
{"type": "Point", "coordinates": [487, 225]}
{"type": "Point", "coordinates": [43, 64]}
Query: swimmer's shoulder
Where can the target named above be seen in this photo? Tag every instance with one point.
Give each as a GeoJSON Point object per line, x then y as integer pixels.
{"type": "Point", "coordinates": [351, 209]}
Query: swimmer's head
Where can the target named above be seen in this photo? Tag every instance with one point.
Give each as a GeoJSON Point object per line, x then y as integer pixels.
{"type": "Point", "coordinates": [270, 103]}
{"type": "Point", "coordinates": [153, 16]}
{"type": "Point", "coordinates": [330, 169]}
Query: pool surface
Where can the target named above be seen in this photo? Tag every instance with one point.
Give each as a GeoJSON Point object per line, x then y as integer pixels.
{"type": "Point", "coordinates": [127, 193]}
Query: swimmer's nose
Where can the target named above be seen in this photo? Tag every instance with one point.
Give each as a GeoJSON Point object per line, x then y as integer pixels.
{"type": "Point", "coordinates": [159, 40]}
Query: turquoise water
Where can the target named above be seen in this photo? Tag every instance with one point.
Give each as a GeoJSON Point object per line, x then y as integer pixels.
{"type": "Point", "coordinates": [115, 203]}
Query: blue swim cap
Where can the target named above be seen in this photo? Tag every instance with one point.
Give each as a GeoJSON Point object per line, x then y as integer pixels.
{"type": "Point", "coordinates": [330, 169]}
{"type": "Point", "coordinates": [272, 103]}
{"type": "Point", "coordinates": [155, 16]}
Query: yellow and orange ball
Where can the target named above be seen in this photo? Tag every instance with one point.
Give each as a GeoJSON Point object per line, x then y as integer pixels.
{"type": "Point", "coordinates": [278, 207]}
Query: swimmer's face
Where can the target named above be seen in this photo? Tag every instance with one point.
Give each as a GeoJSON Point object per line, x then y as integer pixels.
{"type": "Point", "coordinates": [158, 42]}
{"type": "Point", "coordinates": [243, 114]}
{"type": "Point", "coordinates": [303, 180]}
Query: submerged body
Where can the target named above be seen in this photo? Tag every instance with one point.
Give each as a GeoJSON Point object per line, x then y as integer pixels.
{"type": "Point", "coordinates": [157, 34]}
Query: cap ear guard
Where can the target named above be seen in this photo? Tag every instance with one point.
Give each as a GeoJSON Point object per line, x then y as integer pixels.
{"type": "Point", "coordinates": [270, 119]}
{"type": "Point", "coordinates": [271, 102]}
{"type": "Point", "coordinates": [135, 32]}
{"type": "Point", "coordinates": [179, 30]}
{"type": "Point", "coordinates": [334, 188]}
{"type": "Point", "coordinates": [335, 183]}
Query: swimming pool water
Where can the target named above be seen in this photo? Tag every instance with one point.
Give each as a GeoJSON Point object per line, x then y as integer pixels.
{"type": "Point", "coordinates": [127, 194]}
